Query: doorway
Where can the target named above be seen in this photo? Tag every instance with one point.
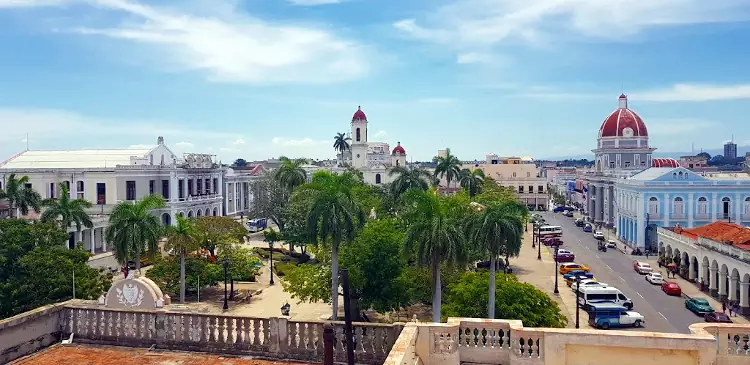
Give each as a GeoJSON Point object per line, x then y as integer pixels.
{"type": "Point", "coordinates": [725, 203]}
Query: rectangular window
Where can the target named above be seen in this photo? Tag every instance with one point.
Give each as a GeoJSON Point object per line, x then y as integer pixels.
{"type": "Point", "coordinates": [531, 188]}
{"type": "Point", "coordinates": [199, 184]}
{"type": "Point", "coordinates": [216, 185]}
{"type": "Point", "coordinates": [27, 185]}
{"type": "Point", "coordinates": [540, 189]}
{"type": "Point", "coordinates": [611, 164]}
{"type": "Point", "coordinates": [520, 189]}
{"type": "Point", "coordinates": [101, 193]}
{"type": "Point", "coordinates": [130, 190]}
{"type": "Point", "coordinates": [207, 186]}
{"type": "Point", "coordinates": [165, 189]}
{"type": "Point", "coordinates": [79, 184]}
{"type": "Point", "coordinates": [190, 187]}
{"type": "Point", "coordinates": [52, 190]}
{"type": "Point", "coordinates": [67, 185]}
{"type": "Point", "coordinates": [151, 184]}
{"type": "Point", "coordinates": [181, 189]}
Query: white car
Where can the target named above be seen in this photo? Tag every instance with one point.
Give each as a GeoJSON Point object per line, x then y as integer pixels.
{"type": "Point", "coordinates": [562, 251]}
{"type": "Point", "coordinates": [599, 235]}
{"type": "Point", "coordinates": [642, 267]}
{"type": "Point", "coordinates": [611, 244]}
{"type": "Point", "coordinates": [588, 283]}
{"type": "Point", "coordinates": [654, 278]}
{"type": "Point", "coordinates": [634, 319]}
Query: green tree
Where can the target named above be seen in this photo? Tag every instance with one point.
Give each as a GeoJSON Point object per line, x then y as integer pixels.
{"type": "Point", "coordinates": [290, 174]}
{"type": "Point", "coordinates": [558, 199]}
{"type": "Point", "coordinates": [341, 143]}
{"type": "Point", "coordinates": [199, 271]}
{"type": "Point", "coordinates": [492, 192]}
{"type": "Point", "coordinates": [20, 196]}
{"type": "Point", "coordinates": [334, 216]}
{"type": "Point", "coordinates": [271, 200]}
{"type": "Point", "coordinates": [497, 228]}
{"type": "Point", "coordinates": [409, 178]}
{"type": "Point", "coordinates": [211, 232]}
{"type": "Point", "coordinates": [471, 181]}
{"type": "Point", "coordinates": [133, 230]}
{"type": "Point", "coordinates": [182, 239]}
{"type": "Point", "coordinates": [67, 211]}
{"type": "Point", "coordinates": [36, 269]}
{"type": "Point", "coordinates": [516, 300]}
{"type": "Point", "coordinates": [240, 162]}
{"type": "Point", "coordinates": [448, 167]}
{"type": "Point", "coordinates": [433, 236]}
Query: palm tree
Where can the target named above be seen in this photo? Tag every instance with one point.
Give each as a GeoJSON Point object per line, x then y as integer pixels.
{"type": "Point", "coordinates": [290, 174]}
{"type": "Point", "coordinates": [20, 196]}
{"type": "Point", "coordinates": [497, 228]}
{"type": "Point", "coordinates": [409, 178]}
{"type": "Point", "coordinates": [434, 237]}
{"type": "Point", "coordinates": [181, 238]}
{"type": "Point", "coordinates": [67, 211]}
{"type": "Point", "coordinates": [341, 143]}
{"type": "Point", "coordinates": [333, 214]}
{"type": "Point", "coordinates": [472, 181]}
{"type": "Point", "coordinates": [448, 166]}
{"type": "Point", "coordinates": [133, 230]}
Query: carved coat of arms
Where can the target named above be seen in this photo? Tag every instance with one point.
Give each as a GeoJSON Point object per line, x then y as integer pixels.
{"type": "Point", "coordinates": [130, 295]}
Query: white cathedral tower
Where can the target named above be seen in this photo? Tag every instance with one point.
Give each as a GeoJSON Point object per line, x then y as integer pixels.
{"type": "Point", "coordinates": [359, 139]}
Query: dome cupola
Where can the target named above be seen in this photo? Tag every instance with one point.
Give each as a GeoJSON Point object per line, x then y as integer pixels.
{"type": "Point", "coordinates": [359, 115]}
{"type": "Point", "coordinates": [623, 122]}
{"type": "Point", "coordinates": [398, 150]}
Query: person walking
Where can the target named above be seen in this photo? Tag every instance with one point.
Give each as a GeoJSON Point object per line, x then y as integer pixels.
{"type": "Point", "coordinates": [735, 308]}
{"type": "Point", "coordinates": [730, 307]}
{"type": "Point", "coordinates": [723, 307]}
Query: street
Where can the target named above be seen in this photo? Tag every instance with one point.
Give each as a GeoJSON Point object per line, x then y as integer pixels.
{"type": "Point", "coordinates": [663, 313]}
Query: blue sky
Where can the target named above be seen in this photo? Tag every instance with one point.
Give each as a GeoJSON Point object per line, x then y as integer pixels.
{"type": "Point", "coordinates": [262, 78]}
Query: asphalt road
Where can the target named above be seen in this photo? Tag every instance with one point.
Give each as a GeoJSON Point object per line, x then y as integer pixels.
{"type": "Point", "coordinates": [663, 313]}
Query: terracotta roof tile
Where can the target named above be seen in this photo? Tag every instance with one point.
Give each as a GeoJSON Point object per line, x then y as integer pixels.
{"type": "Point", "coordinates": [107, 355]}
{"type": "Point", "coordinates": [729, 233]}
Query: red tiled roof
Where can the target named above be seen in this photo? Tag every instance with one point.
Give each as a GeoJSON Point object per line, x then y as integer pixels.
{"type": "Point", "coordinates": [106, 355]}
{"type": "Point", "coordinates": [729, 233]}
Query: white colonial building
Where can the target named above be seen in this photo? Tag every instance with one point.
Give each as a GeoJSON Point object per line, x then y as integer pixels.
{"type": "Point", "coordinates": [192, 185]}
{"type": "Point", "coordinates": [717, 254]}
{"type": "Point", "coordinates": [373, 159]}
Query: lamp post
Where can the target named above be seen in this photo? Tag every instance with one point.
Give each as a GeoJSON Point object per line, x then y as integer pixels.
{"type": "Point", "coordinates": [533, 236]}
{"type": "Point", "coordinates": [225, 262]}
{"type": "Point", "coordinates": [557, 291]}
{"type": "Point", "coordinates": [539, 251]}
{"type": "Point", "coordinates": [578, 300]}
{"type": "Point", "coordinates": [270, 260]}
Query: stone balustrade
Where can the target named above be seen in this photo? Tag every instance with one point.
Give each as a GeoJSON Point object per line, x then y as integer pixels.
{"type": "Point", "coordinates": [504, 342]}
{"type": "Point", "coordinates": [275, 338]}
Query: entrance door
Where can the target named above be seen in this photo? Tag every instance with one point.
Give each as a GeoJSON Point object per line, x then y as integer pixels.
{"type": "Point", "coordinates": [725, 207]}
{"type": "Point", "coordinates": [72, 240]}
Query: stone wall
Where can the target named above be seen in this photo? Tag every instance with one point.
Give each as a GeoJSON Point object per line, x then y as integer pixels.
{"type": "Point", "coordinates": [28, 332]}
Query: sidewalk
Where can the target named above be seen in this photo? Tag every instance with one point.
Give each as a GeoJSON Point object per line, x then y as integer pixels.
{"type": "Point", "coordinates": [541, 274]}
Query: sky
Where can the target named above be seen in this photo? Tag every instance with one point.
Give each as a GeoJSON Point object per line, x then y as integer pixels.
{"type": "Point", "coordinates": [256, 79]}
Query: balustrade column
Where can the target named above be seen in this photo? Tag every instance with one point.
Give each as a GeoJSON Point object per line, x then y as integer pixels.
{"type": "Point", "coordinates": [713, 286]}
{"type": "Point", "coordinates": [733, 281]}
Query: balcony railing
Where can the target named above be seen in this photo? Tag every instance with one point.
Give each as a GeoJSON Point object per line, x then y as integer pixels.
{"type": "Point", "coordinates": [704, 243]}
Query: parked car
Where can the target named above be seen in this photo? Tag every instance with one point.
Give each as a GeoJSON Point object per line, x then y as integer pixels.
{"type": "Point", "coordinates": [642, 267]}
{"type": "Point", "coordinates": [552, 241]}
{"type": "Point", "coordinates": [717, 317]}
{"type": "Point", "coordinates": [588, 283]}
{"type": "Point", "coordinates": [599, 235]}
{"type": "Point", "coordinates": [611, 244]}
{"type": "Point", "coordinates": [654, 278]}
{"type": "Point", "coordinates": [573, 274]}
{"type": "Point", "coordinates": [579, 222]}
{"type": "Point", "coordinates": [568, 267]}
{"type": "Point", "coordinates": [607, 315]}
{"type": "Point", "coordinates": [699, 306]}
{"type": "Point", "coordinates": [565, 257]}
{"type": "Point", "coordinates": [561, 208]}
{"type": "Point", "coordinates": [568, 213]}
{"type": "Point", "coordinates": [587, 228]}
{"type": "Point", "coordinates": [671, 288]}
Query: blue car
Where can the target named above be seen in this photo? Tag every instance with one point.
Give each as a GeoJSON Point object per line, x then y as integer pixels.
{"type": "Point", "coordinates": [587, 228]}
{"type": "Point", "coordinates": [573, 274]}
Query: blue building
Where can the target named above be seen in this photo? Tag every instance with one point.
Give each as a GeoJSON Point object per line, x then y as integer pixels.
{"type": "Point", "coordinates": [670, 196]}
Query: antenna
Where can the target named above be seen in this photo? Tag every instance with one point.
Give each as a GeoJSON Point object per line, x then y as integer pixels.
{"type": "Point", "coordinates": [27, 141]}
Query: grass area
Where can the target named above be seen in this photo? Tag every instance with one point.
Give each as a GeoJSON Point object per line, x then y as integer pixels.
{"type": "Point", "coordinates": [283, 259]}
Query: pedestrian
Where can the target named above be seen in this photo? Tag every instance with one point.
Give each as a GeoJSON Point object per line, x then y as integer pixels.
{"type": "Point", "coordinates": [723, 307]}
{"type": "Point", "coordinates": [736, 306]}
{"type": "Point", "coordinates": [730, 307]}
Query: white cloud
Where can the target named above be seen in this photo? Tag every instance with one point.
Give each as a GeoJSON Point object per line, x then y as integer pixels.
{"type": "Point", "coordinates": [239, 142]}
{"type": "Point", "coordinates": [304, 142]}
{"type": "Point", "coordinates": [481, 24]}
{"type": "Point", "coordinates": [669, 127]}
{"type": "Point", "coordinates": [184, 145]}
{"type": "Point", "coordinates": [314, 2]}
{"type": "Point", "coordinates": [229, 45]}
{"type": "Point", "coordinates": [695, 92]}
{"type": "Point", "coordinates": [29, 3]}
{"type": "Point", "coordinates": [380, 136]}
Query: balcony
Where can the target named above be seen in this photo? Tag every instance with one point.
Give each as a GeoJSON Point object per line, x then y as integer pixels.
{"type": "Point", "coordinates": [504, 342]}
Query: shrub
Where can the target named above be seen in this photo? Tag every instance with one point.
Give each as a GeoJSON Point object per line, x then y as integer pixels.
{"type": "Point", "coordinates": [282, 268]}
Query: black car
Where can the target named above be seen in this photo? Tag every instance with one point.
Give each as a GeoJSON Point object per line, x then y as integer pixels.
{"type": "Point", "coordinates": [579, 222]}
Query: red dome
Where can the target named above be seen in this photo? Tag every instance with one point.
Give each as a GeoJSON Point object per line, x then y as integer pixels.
{"type": "Point", "coordinates": [398, 150]}
{"type": "Point", "coordinates": [623, 122]}
{"type": "Point", "coordinates": [664, 162]}
{"type": "Point", "coordinates": [359, 115]}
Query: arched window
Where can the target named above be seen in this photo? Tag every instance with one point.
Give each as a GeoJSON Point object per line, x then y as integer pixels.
{"type": "Point", "coordinates": [726, 208]}
{"type": "Point", "coordinates": [162, 160]}
{"type": "Point", "coordinates": [674, 175]}
{"type": "Point", "coordinates": [653, 205]}
{"type": "Point", "coordinates": [702, 207]}
{"type": "Point", "coordinates": [746, 210]}
{"type": "Point", "coordinates": [680, 174]}
{"type": "Point", "coordinates": [377, 178]}
{"type": "Point", "coordinates": [678, 206]}
{"type": "Point", "coordinates": [357, 133]}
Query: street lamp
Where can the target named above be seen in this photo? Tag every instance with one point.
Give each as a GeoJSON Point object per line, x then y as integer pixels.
{"type": "Point", "coordinates": [578, 300]}
{"type": "Point", "coordinates": [557, 291]}
{"type": "Point", "coordinates": [539, 251]}
{"type": "Point", "coordinates": [225, 262]}
{"type": "Point", "coordinates": [270, 260]}
{"type": "Point", "coordinates": [533, 236]}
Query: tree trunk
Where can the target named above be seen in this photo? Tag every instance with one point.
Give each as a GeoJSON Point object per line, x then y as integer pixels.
{"type": "Point", "coordinates": [335, 281]}
{"type": "Point", "coordinates": [182, 276]}
{"type": "Point", "coordinates": [437, 294]}
{"type": "Point", "coordinates": [12, 210]}
{"type": "Point", "coordinates": [491, 302]}
{"type": "Point", "coordinates": [291, 246]}
{"type": "Point", "coordinates": [78, 237]}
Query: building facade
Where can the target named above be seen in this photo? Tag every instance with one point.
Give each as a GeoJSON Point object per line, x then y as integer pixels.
{"type": "Point", "coordinates": [192, 185]}
{"type": "Point", "coordinates": [730, 150]}
{"type": "Point", "coordinates": [518, 173]}
{"type": "Point", "coordinates": [669, 196]}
